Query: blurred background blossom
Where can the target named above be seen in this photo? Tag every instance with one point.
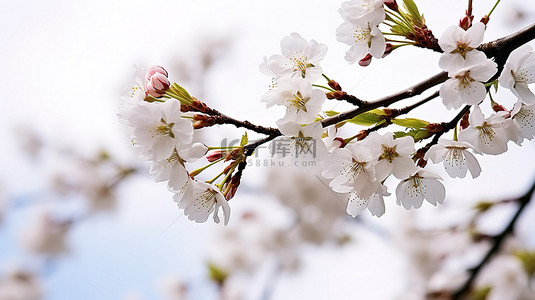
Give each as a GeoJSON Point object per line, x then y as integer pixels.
{"type": "Point", "coordinates": [81, 219]}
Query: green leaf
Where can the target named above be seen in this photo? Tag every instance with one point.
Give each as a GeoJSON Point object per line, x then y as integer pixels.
{"type": "Point", "coordinates": [244, 139]}
{"type": "Point", "coordinates": [400, 30]}
{"type": "Point", "coordinates": [182, 95]}
{"type": "Point", "coordinates": [368, 118]}
{"type": "Point", "coordinates": [331, 113]}
{"type": "Point", "coordinates": [410, 123]}
{"type": "Point", "coordinates": [421, 134]}
{"type": "Point", "coordinates": [416, 134]}
{"type": "Point", "coordinates": [412, 9]}
{"type": "Point", "coordinates": [217, 274]}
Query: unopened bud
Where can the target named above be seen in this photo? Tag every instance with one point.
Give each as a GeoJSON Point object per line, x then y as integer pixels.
{"type": "Point", "coordinates": [366, 60]}
{"type": "Point", "coordinates": [228, 168]}
{"type": "Point", "coordinates": [434, 127]}
{"type": "Point", "coordinates": [419, 157]}
{"type": "Point", "coordinates": [466, 22]}
{"type": "Point", "coordinates": [233, 187]}
{"type": "Point", "coordinates": [157, 81]}
{"type": "Point", "coordinates": [234, 154]}
{"type": "Point", "coordinates": [497, 107]}
{"type": "Point", "coordinates": [341, 141]}
{"type": "Point", "coordinates": [334, 85]}
{"type": "Point", "coordinates": [203, 123]}
{"type": "Point", "coordinates": [153, 70]}
{"type": "Point", "coordinates": [390, 113]}
{"type": "Point", "coordinates": [214, 156]}
{"type": "Point", "coordinates": [199, 117]}
{"type": "Point", "coordinates": [153, 92]}
{"type": "Point", "coordinates": [464, 120]}
{"type": "Point", "coordinates": [338, 95]}
{"type": "Point", "coordinates": [388, 50]}
{"type": "Point", "coordinates": [392, 4]}
{"type": "Point", "coordinates": [199, 106]}
{"type": "Point", "coordinates": [362, 135]}
{"type": "Point", "coordinates": [160, 82]}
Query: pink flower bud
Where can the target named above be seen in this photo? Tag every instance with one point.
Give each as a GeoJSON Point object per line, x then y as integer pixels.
{"type": "Point", "coordinates": [388, 49]}
{"type": "Point", "coordinates": [153, 70]}
{"type": "Point", "coordinates": [157, 83]}
{"type": "Point", "coordinates": [465, 22]}
{"type": "Point", "coordinates": [153, 92]}
{"type": "Point", "coordinates": [366, 60]}
{"type": "Point", "coordinates": [214, 156]}
{"type": "Point", "coordinates": [160, 82]}
{"type": "Point", "coordinates": [233, 187]}
{"type": "Point", "coordinates": [392, 5]}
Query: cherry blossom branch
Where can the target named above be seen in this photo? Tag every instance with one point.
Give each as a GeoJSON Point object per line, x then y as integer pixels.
{"type": "Point", "coordinates": [502, 47]}
{"type": "Point", "coordinates": [386, 101]}
{"type": "Point", "coordinates": [498, 241]}
{"type": "Point", "coordinates": [499, 49]}
{"type": "Point", "coordinates": [221, 118]}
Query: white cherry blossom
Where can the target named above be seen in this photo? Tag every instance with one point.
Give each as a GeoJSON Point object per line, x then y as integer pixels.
{"type": "Point", "coordinates": [159, 128]}
{"type": "Point", "coordinates": [301, 146]}
{"type": "Point", "coordinates": [136, 90]}
{"type": "Point", "coordinates": [200, 199]}
{"type": "Point", "coordinates": [465, 85]}
{"type": "Point", "coordinates": [456, 157]}
{"type": "Point", "coordinates": [362, 38]}
{"type": "Point", "coordinates": [523, 116]}
{"type": "Point", "coordinates": [412, 191]}
{"type": "Point", "coordinates": [173, 168]}
{"type": "Point", "coordinates": [362, 11]}
{"type": "Point", "coordinates": [486, 135]}
{"type": "Point", "coordinates": [518, 72]}
{"type": "Point", "coordinates": [303, 103]}
{"type": "Point", "coordinates": [352, 168]}
{"type": "Point", "coordinates": [459, 46]}
{"type": "Point", "coordinates": [299, 59]}
{"type": "Point", "coordinates": [374, 203]}
{"type": "Point", "coordinates": [392, 155]}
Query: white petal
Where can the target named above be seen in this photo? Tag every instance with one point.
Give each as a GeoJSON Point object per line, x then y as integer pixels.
{"type": "Point", "coordinates": [376, 205]}
{"type": "Point", "coordinates": [473, 164]}
{"type": "Point", "coordinates": [355, 204]}
{"type": "Point", "coordinates": [473, 93]}
{"type": "Point", "coordinates": [434, 191]}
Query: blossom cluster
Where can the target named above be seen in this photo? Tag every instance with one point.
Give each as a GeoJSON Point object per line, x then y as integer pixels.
{"type": "Point", "coordinates": [163, 117]}
{"type": "Point", "coordinates": [163, 135]}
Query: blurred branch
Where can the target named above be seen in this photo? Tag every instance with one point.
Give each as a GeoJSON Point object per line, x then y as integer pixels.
{"type": "Point", "coordinates": [496, 244]}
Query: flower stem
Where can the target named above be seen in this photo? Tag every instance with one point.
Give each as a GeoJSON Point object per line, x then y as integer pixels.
{"type": "Point", "coordinates": [199, 170]}
{"type": "Point", "coordinates": [220, 185]}
{"type": "Point", "coordinates": [469, 9]}
{"type": "Point", "coordinates": [495, 4]}
{"type": "Point", "coordinates": [323, 87]}
{"type": "Point", "coordinates": [214, 179]}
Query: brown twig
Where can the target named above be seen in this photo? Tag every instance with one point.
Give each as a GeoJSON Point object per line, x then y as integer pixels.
{"type": "Point", "coordinates": [497, 242]}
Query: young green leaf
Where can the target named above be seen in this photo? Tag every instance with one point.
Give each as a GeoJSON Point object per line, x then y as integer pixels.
{"type": "Point", "coordinates": [410, 123]}
{"type": "Point", "coordinates": [412, 9]}
{"type": "Point", "coordinates": [244, 139]}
